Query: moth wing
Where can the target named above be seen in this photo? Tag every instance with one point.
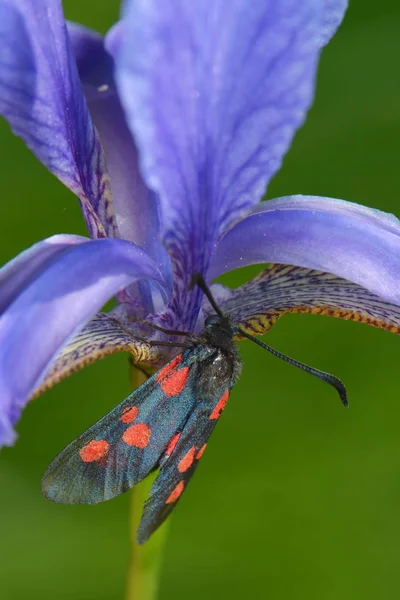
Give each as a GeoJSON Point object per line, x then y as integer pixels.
{"type": "Point", "coordinates": [178, 468]}
{"type": "Point", "coordinates": [124, 446]}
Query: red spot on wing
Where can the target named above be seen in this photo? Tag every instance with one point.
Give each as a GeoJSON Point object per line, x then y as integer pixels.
{"type": "Point", "coordinates": [176, 492]}
{"type": "Point", "coordinates": [172, 380]}
{"type": "Point", "coordinates": [172, 444]}
{"type": "Point", "coordinates": [94, 450]}
{"type": "Point", "coordinates": [129, 414]}
{"type": "Point", "coordinates": [137, 435]}
{"type": "Point", "coordinates": [200, 452]}
{"type": "Point", "coordinates": [187, 460]}
{"type": "Point", "coordinates": [216, 413]}
{"type": "Point", "coordinates": [165, 371]}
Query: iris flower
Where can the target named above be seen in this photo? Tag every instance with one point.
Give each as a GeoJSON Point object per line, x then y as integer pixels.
{"type": "Point", "coordinates": [168, 130]}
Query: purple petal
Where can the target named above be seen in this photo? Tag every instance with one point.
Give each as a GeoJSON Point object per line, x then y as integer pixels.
{"type": "Point", "coordinates": [24, 267]}
{"type": "Point", "coordinates": [282, 289]}
{"type": "Point", "coordinates": [102, 335]}
{"type": "Point", "coordinates": [41, 97]}
{"type": "Point", "coordinates": [214, 97]}
{"type": "Point", "coordinates": [332, 17]}
{"type": "Point", "coordinates": [351, 241]}
{"type": "Point", "coordinates": [135, 206]}
{"type": "Point", "coordinates": [113, 38]}
{"type": "Point", "coordinates": [94, 64]}
{"type": "Point", "coordinates": [53, 306]}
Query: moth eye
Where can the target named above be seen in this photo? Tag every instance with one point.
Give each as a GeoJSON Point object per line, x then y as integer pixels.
{"type": "Point", "coordinates": [212, 320]}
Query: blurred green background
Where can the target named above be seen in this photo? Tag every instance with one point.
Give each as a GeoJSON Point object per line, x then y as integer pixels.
{"type": "Point", "coordinates": [296, 497]}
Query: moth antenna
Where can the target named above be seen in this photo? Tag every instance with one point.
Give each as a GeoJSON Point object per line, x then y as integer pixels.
{"type": "Point", "coordinates": [198, 279]}
{"type": "Point", "coordinates": [326, 377]}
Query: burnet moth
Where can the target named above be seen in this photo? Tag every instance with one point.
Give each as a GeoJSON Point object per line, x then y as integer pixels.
{"type": "Point", "coordinates": [164, 424]}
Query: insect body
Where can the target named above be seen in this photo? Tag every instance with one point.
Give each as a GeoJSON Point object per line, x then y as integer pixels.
{"type": "Point", "coordinates": [164, 424]}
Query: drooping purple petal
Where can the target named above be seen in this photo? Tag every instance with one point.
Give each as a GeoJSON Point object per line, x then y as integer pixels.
{"type": "Point", "coordinates": [41, 97]}
{"type": "Point", "coordinates": [283, 289]}
{"type": "Point", "coordinates": [214, 94]}
{"type": "Point", "coordinates": [102, 335]}
{"type": "Point", "coordinates": [332, 17]}
{"type": "Point", "coordinates": [351, 241]}
{"type": "Point", "coordinates": [54, 305]}
{"type": "Point", "coordinates": [135, 206]}
{"type": "Point", "coordinates": [15, 275]}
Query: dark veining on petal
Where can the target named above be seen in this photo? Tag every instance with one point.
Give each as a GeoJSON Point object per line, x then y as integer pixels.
{"type": "Point", "coordinates": [101, 337]}
{"type": "Point", "coordinates": [283, 289]}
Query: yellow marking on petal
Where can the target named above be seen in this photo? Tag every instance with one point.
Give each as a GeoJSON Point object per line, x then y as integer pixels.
{"type": "Point", "coordinates": [253, 327]}
{"type": "Point", "coordinates": [101, 221]}
{"type": "Point", "coordinates": [347, 315]}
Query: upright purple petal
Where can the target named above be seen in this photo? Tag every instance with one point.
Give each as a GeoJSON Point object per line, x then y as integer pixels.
{"type": "Point", "coordinates": [332, 17]}
{"type": "Point", "coordinates": [214, 92]}
{"type": "Point", "coordinates": [351, 241]}
{"type": "Point", "coordinates": [55, 304]}
{"type": "Point", "coordinates": [41, 97]}
{"type": "Point", "coordinates": [135, 206]}
{"type": "Point", "coordinates": [114, 37]}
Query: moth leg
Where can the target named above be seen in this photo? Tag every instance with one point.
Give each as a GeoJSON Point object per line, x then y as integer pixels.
{"type": "Point", "coordinates": [160, 343]}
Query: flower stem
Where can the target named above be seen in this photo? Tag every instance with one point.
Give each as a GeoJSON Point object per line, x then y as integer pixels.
{"type": "Point", "coordinates": [145, 561]}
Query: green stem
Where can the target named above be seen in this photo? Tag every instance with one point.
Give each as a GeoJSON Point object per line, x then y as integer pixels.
{"type": "Point", "coordinates": [146, 560]}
